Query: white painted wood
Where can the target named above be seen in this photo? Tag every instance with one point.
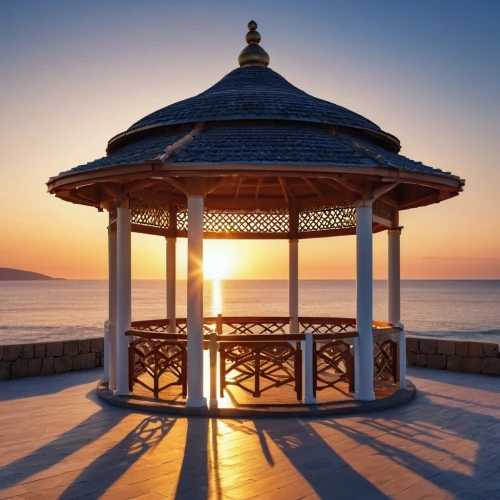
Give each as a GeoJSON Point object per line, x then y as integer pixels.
{"type": "Point", "coordinates": [112, 270]}
{"type": "Point", "coordinates": [364, 302]}
{"type": "Point", "coordinates": [309, 398]}
{"type": "Point", "coordinates": [293, 285]}
{"type": "Point", "coordinates": [110, 355]}
{"type": "Point", "coordinates": [394, 276]}
{"type": "Point", "coordinates": [171, 284]}
{"type": "Point", "coordinates": [195, 397]}
{"type": "Point", "coordinates": [124, 299]}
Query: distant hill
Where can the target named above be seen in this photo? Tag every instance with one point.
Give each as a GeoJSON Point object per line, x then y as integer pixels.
{"type": "Point", "coordinates": [7, 274]}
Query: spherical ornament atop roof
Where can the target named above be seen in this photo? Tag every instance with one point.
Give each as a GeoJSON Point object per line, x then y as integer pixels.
{"type": "Point", "coordinates": [253, 54]}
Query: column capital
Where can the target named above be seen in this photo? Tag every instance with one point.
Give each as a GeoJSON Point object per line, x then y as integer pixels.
{"type": "Point", "coordinates": [363, 203]}
{"type": "Point", "coordinates": [396, 230]}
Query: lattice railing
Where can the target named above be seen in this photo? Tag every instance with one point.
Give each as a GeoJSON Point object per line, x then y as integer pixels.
{"type": "Point", "coordinates": [333, 363]}
{"type": "Point", "coordinates": [341, 216]}
{"type": "Point", "coordinates": [256, 366]}
{"type": "Point", "coordinates": [254, 326]}
{"type": "Point", "coordinates": [326, 325]}
{"type": "Point", "coordinates": [156, 364]}
{"type": "Point", "coordinates": [385, 360]}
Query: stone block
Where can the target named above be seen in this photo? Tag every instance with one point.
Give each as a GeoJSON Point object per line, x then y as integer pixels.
{"type": "Point", "coordinates": [475, 350]}
{"type": "Point", "coordinates": [491, 366]}
{"type": "Point", "coordinates": [436, 361]}
{"type": "Point", "coordinates": [421, 359]}
{"type": "Point", "coordinates": [454, 363]}
{"type": "Point", "coordinates": [12, 352]}
{"type": "Point", "coordinates": [428, 346]}
{"type": "Point", "coordinates": [5, 370]}
{"type": "Point", "coordinates": [55, 349]}
{"type": "Point", "coordinates": [462, 349]}
{"type": "Point", "coordinates": [490, 350]}
{"type": "Point", "coordinates": [47, 366]}
{"type": "Point", "coordinates": [472, 365]}
{"type": "Point", "coordinates": [446, 347]}
{"type": "Point", "coordinates": [71, 347]}
{"type": "Point", "coordinates": [97, 345]}
{"type": "Point", "coordinates": [98, 358]}
{"type": "Point", "coordinates": [28, 351]}
{"type": "Point", "coordinates": [84, 361]}
{"type": "Point", "coordinates": [1, 352]}
{"type": "Point", "coordinates": [40, 350]}
{"type": "Point", "coordinates": [412, 344]}
{"type": "Point", "coordinates": [410, 358]}
{"type": "Point", "coordinates": [34, 367]}
{"type": "Point", "coordinates": [83, 346]}
{"type": "Point", "coordinates": [19, 368]}
{"type": "Point", "coordinates": [62, 364]}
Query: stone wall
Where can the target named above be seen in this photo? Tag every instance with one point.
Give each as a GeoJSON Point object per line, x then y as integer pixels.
{"type": "Point", "coordinates": [31, 360]}
{"type": "Point", "coordinates": [454, 355]}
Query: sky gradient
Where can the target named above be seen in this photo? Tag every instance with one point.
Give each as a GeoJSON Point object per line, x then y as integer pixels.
{"type": "Point", "coordinates": [74, 74]}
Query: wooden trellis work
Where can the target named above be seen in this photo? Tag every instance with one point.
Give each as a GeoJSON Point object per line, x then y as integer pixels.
{"type": "Point", "coordinates": [333, 363]}
{"type": "Point", "coordinates": [386, 360]}
{"type": "Point", "coordinates": [158, 358]}
{"type": "Point", "coordinates": [339, 216]}
{"type": "Point", "coordinates": [326, 325]}
{"type": "Point", "coordinates": [267, 363]}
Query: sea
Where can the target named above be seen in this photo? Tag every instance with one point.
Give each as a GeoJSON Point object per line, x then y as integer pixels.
{"type": "Point", "coordinates": [43, 311]}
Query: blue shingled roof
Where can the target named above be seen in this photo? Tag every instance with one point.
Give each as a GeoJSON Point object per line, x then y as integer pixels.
{"type": "Point", "coordinates": [137, 152]}
{"type": "Point", "coordinates": [265, 144]}
{"type": "Point", "coordinates": [254, 92]}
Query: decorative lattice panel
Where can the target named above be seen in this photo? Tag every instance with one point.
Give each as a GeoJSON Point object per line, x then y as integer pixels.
{"type": "Point", "coordinates": [310, 327]}
{"type": "Point", "coordinates": [341, 216]}
{"type": "Point", "coordinates": [150, 214]}
{"type": "Point", "coordinates": [240, 220]}
{"type": "Point", "coordinates": [384, 210]}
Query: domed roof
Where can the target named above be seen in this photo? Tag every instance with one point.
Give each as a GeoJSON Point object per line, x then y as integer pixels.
{"type": "Point", "coordinates": [255, 92]}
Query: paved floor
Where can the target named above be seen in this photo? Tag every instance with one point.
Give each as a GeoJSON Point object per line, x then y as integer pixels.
{"type": "Point", "coordinates": [58, 441]}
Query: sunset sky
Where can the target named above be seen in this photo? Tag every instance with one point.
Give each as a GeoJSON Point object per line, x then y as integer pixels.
{"type": "Point", "coordinates": [74, 74]}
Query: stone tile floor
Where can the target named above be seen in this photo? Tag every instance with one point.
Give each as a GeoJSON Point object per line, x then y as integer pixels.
{"type": "Point", "coordinates": [58, 441]}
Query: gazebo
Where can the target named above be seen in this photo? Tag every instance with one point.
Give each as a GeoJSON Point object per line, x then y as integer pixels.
{"type": "Point", "coordinates": [253, 157]}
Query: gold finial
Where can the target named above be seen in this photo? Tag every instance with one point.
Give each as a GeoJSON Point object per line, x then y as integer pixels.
{"type": "Point", "coordinates": [253, 54]}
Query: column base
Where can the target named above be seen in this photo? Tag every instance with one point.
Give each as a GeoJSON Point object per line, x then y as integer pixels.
{"type": "Point", "coordinates": [309, 401]}
{"type": "Point", "coordinates": [362, 396]}
{"type": "Point", "coordinates": [121, 393]}
{"type": "Point", "coordinates": [196, 402]}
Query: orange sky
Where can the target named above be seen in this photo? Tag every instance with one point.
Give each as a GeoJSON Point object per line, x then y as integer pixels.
{"type": "Point", "coordinates": [71, 82]}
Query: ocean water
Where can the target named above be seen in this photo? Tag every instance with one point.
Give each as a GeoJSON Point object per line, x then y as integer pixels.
{"type": "Point", "coordinates": [37, 311]}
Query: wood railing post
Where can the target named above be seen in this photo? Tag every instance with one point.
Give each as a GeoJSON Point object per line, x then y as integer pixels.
{"type": "Point", "coordinates": [402, 357]}
{"type": "Point", "coordinates": [309, 379]}
{"type": "Point", "coordinates": [213, 403]}
{"type": "Point", "coordinates": [222, 370]}
{"type": "Point", "coordinates": [218, 326]}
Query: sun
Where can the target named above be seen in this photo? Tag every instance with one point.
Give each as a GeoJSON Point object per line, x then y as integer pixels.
{"type": "Point", "coordinates": [217, 264]}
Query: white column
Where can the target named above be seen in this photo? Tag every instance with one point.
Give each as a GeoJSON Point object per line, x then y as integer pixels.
{"type": "Point", "coordinates": [110, 357]}
{"type": "Point", "coordinates": [293, 285]}
{"type": "Point", "coordinates": [171, 313]}
{"type": "Point", "coordinates": [394, 276]}
{"type": "Point", "coordinates": [124, 299]}
{"type": "Point", "coordinates": [364, 302]}
{"type": "Point", "coordinates": [195, 303]}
